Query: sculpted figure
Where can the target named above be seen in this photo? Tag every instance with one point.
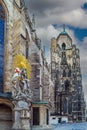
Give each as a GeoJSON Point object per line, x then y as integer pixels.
{"type": "Point", "coordinates": [21, 85]}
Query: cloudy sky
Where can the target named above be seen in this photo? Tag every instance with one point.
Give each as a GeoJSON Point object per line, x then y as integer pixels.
{"type": "Point", "coordinates": [50, 15]}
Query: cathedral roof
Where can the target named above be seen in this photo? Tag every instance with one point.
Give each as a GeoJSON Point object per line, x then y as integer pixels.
{"type": "Point", "coordinates": [64, 33]}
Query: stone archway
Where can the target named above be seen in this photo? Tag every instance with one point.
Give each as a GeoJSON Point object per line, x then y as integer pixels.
{"type": "Point", "coordinates": [7, 57]}
{"type": "Point", "coordinates": [5, 117]}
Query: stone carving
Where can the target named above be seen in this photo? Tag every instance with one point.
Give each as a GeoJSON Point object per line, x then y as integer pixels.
{"type": "Point", "coordinates": [21, 85]}
{"type": "Point", "coordinates": [22, 94]}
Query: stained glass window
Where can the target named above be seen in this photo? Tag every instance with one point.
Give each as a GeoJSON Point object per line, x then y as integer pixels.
{"type": "Point", "coordinates": [2, 19]}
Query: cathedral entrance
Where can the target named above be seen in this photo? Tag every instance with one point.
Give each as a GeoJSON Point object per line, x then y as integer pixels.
{"type": "Point", "coordinates": [5, 117]}
{"type": "Point", "coordinates": [36, 116]}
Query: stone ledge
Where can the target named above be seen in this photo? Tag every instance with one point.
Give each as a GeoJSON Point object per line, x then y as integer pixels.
{"type": "Point", "coordinates": [21, 129]}
{"type": "Point", "coordinates": [7, 95]}
{"type": "Point", "coordinates": [41, 102]}
{"type": "Point", "coordinates": [42, 127]}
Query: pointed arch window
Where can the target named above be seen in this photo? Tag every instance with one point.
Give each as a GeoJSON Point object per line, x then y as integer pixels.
{"type": "Point", "coordinates": [63, 46]}
{"type": "Point", "coordinates": [67, 84]}
{"type": "Point", "coordinates": [2, 23]}
{"type": "Point", "coordinates": [64, 73]}
{"type": "Point", "coordinates": [69, 73]}
{"type": "Point", "coordinates": [27, 50]}
{"type": "Point", "coordinates": [27, 44]}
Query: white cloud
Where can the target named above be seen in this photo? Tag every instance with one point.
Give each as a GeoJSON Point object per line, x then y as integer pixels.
{"type": "Point", "coordinates": [58, 11]}
{"type": "Point", "coordinates": [85, 40]}
{"type": "Point", "coordinates": [45, 34]}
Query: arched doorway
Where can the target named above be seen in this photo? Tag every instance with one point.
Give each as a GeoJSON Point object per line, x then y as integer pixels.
{"type": "Point", "coordinates": [5, 117]}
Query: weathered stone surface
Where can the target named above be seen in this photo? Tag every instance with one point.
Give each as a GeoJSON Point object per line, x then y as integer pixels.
{"type": "Point", "coordinates": [66, 74]}
{"type": "Point", "coordinates": [19, 36]}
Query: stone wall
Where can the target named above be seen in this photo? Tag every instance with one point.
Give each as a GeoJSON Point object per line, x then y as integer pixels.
{"type": "Point", "coordinates": [18, 34]}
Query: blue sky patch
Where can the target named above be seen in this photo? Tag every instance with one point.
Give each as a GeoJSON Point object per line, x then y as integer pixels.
{"type": "Point", "coordinates": [79, 33]}
{"type": "Point", "coordinates": [84, 6]}
{"type": "Point", "coordinates": [1, 31]}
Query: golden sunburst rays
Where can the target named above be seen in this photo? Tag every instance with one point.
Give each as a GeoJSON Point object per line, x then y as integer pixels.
{"type": "Point", "coordinates": [22, 63]}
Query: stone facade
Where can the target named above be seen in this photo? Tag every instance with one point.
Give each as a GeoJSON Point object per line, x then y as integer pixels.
{"type": "Point", "coordinates": [66, 74]}
{"type": "Point", "coordinates": [20, 38]}
{"type": "Point", "coordinates": [42, 88]}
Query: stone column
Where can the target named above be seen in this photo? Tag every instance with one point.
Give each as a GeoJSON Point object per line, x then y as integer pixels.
{"type": "Point", "coordinates": [8, 59]}
{"type": "Point", "coordinates": [17, 122]}
{"type": "Point", "coordinates": [22, 116]}
{"type": "Point", "coordinates": [25, 119]}
{"type": "Point", "coordinates": [42, 116]}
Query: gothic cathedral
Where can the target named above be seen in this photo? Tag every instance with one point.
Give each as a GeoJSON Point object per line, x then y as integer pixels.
{"type": "Point", "coordinates": [66, 74]}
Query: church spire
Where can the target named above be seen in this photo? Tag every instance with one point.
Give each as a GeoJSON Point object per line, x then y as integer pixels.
{"type": "Point", "coordinates": [33, 20]}
{"type": "Point", "coordinates": [63, 27]}
{"type": "Point", "coordinates": [64, 30]}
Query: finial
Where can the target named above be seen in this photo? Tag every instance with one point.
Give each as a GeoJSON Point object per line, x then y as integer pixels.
{"type": "Point", "coordinates": [44, 49]}
{"type": "Point", "coordinates": [33, 20]}
{"type": "Point", "coordinates": [63, 27]}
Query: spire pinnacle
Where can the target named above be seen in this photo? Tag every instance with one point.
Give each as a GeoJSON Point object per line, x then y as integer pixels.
{"type": "Point", "coordinates": [63, 27]}
{"type": "Point", "coordinates": [33, 21]}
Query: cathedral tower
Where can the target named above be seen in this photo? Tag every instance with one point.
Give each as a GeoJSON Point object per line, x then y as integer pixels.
{"type": "Point", "coordinates": [66, 74]}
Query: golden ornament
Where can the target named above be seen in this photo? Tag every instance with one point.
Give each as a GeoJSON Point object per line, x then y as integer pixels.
{"type": "Point", "coordinates": [22, 63]}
